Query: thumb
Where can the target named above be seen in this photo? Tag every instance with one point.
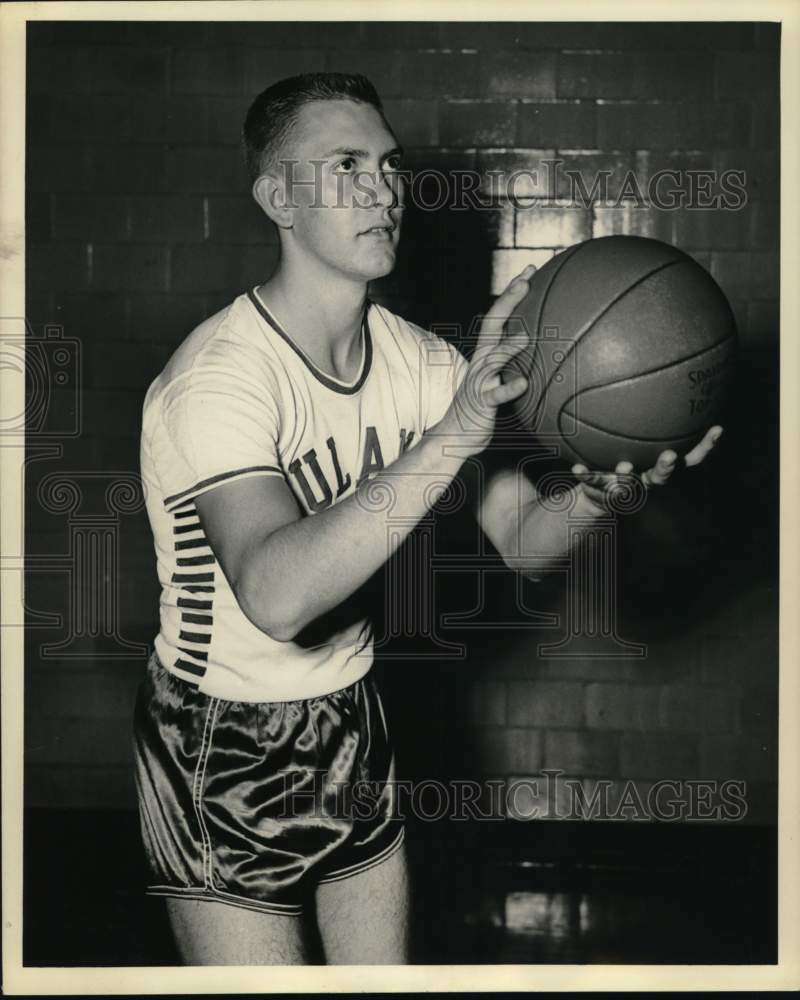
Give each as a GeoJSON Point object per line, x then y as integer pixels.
{"type": "Point", "coordinates": [505, 392]}
{"type": "Point", "coordinates": [502, 309]}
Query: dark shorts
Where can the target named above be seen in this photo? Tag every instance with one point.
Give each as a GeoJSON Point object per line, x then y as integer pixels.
{"type": "Point", "coordinates": [255, 804]}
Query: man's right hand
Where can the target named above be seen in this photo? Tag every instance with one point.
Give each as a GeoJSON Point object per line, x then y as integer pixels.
{"type": "Point", "coordinates": [470, 419]}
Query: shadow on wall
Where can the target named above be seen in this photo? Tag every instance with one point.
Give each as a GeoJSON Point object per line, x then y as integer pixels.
{"type": "Point", "coordinates": [443, 275]}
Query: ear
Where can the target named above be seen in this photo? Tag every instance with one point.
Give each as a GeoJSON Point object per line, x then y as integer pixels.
{"type": "Point", "coordinates": [269, 193]}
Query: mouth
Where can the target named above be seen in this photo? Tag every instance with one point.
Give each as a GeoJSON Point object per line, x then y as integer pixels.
{"type": "Point", "coordinates": [382, 232]}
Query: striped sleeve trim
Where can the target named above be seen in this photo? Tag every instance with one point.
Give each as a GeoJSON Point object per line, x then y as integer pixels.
{"type": "Point", "coordinates": [254, 470]}
{"type": "Point", "coordinates": [189, 668]}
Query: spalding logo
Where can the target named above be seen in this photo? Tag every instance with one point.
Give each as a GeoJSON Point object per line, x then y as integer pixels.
{"type": "Point", "coordinates": [706, 382]}
{"type": "Point", "coordinates": [705, 379]}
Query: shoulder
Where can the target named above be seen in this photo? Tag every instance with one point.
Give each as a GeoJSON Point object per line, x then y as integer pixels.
{"type": "Point", "coordinates": [227, 350]}
{"type": "Point", "coordinates": [228, 338]}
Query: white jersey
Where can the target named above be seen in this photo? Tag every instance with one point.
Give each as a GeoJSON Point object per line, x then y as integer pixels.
{"type": "Point", "coordinates": [240, 399]}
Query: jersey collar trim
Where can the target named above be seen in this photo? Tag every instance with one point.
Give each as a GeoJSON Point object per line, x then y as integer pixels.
{"type": "Point", "coordinates": [347, 388]}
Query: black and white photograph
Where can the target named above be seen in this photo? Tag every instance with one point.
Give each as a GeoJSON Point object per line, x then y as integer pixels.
{"type": "Point", "coordinates": [393, 528]}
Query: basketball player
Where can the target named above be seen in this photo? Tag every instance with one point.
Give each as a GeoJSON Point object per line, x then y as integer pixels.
{"type": "Point", "coordinates": [269, 441]}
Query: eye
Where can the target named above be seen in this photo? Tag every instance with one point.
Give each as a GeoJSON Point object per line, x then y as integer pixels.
{"type": "Point", "coordinates": [393, 162]}
{"type": "Point", "coordinates": [345, 165]}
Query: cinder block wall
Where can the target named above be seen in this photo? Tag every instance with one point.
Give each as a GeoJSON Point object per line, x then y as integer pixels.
{"type": "Point", "coordinates": [139, 225]}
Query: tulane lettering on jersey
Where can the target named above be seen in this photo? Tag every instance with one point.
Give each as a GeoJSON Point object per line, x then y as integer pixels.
{"type": "Point", "coordinates": [240, 399]}
{"type": "Point", "coordinates": [335, 484]}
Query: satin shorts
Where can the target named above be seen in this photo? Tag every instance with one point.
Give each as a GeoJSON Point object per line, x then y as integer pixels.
{"type": "Point", "coordinates": [255, 804]}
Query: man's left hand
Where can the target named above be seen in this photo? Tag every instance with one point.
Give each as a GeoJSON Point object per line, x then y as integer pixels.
{"type": "Point", "coordinates": [599, 486]}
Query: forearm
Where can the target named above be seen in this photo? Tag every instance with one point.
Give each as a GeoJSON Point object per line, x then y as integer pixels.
{"type": "Point", "coordinates": [301, 571]}
{"type": "Point", "coordinates": [538, 536]}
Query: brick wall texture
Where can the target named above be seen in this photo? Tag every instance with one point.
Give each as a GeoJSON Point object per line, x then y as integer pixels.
{"type": "Point", "coordinates": [139, 225]}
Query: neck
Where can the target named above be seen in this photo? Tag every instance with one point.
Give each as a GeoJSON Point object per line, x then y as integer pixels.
{"type": "Point", "coordinates": [321, 312]}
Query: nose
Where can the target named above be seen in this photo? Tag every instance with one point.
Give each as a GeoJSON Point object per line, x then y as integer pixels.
{"type": "Point", "coordinates": [388, 189]}
{"type": "Point", "coordinates": [391, 188]}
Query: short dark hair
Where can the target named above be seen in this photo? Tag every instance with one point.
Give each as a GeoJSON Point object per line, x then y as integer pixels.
{"type": "Point", "coordinates": [273, 114]}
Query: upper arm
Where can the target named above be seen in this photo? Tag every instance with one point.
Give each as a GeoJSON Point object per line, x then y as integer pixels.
{"type": "Point", "coordinates": [219, 442]}
{"type": "Point", "coordinates": [238, 516]}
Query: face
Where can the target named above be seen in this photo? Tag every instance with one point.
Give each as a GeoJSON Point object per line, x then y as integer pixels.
{"type": "Point", "coordinates": [345, 187]}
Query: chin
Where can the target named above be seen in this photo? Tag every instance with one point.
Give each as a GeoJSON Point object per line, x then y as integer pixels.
{"type": "Point", "coordinates": [382, 271]}
{"type": "Point", "coordinates": [378, 267]}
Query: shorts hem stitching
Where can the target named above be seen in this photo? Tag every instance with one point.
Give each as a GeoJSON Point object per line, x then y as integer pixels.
{"type": "Point", "coordinates": [215, 895]}
{"type": "Point", "coordinates": [348, 872]}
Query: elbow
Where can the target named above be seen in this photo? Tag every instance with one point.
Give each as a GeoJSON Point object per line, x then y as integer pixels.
{"type": "Point", "coordinates": [281, 628]}
{"type": "Point", "coordinates": [526, 572]}
{"type": "Point", "coordinates": [272, 617]}
{"type": "Point", "coordinates": [534, 571]}
{"type": "Point", "coordinates": [281, 632]}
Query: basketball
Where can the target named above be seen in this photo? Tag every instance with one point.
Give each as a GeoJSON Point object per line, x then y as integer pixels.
{"type": "Point", "coordinates": [631, 352]}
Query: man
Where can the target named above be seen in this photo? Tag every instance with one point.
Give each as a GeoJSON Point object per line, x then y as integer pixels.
{"type": "Point", "coordinates": [268, 441]}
